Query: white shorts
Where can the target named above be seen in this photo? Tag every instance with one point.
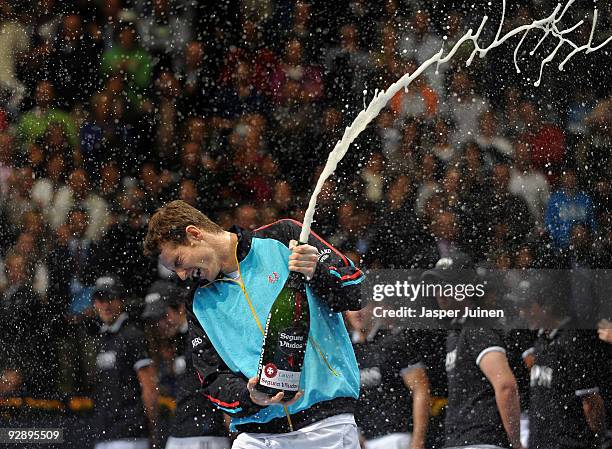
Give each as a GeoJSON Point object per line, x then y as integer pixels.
{"type": "Point", "coordinates": [524, 429]}
{"type": "Point", "coordinates": [198, 443]}
{"type": "Point", "coordinates": [139, 443]}
{"type": "Point", "coordinates": [391, 441]}
{"type": "Point", "coordinates": [336, 432]}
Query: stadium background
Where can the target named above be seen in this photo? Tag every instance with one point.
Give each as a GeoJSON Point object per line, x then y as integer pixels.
{"type": "Point", "coordinates": [110, 108]}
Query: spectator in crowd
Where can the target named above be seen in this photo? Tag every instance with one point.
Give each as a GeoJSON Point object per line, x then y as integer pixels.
{"type": "Point", "coordinates": [546, 141]}
{"type": "Point", "coordinates": [50, 192]}
{"type": "Point", "coordinates": [7, 155]}
{"type": "Point", "coordinates": [164, 29]}
{"type": "Point", "coordinates": [34, 124]}
{"type": "Point", "coordinates": [386, 61]}
{"type": "Point", "coordinates": [197, 81]}
{"type": "Point", "coordinates": [347, 66]}
{"type": "Point", "coordinates": [282, 200]}
{"type": "Point", "coordinates": [19, 198]}
{"type": "Point", "coordinates": [528, 183]}
{"type": "Point", "coordinates": [167, 117]}
{"type": "Point", "coordinates": [130, 61]}
{"type": "Point", "coordinates": [81, 196]}
{"type": "Point", "coordinates": [110, 185]}
{"type": "Point", "coordinates": [419, 101]}
{"type": "Point", "coordinates": [240, 97]}
{"type": "Point", "coordinates": [120, 250]}
{"type": "Point", "coordinates": [512, 220]}
{"type": "Point", "coordinates": [30, 339]}
{"type": "Point", "coordinates": [106, 135]}
{"type": "Point", "coordinates": [80, 258]}
{"type": "Point", "coordinates": [566, 207]}
{"type": "Point", "coordinates": [373, 178]}
{"type": "Point", "coordinates": [442, 147]}
{"type": "Point", "coordinates": [494, 146]}
{"type": "Point", "coordinates": [14, 43]}
{"type": "Point", "coordinates": [73, 63]}
{"type": "Point", "coordinates": [446, 232]}
{"type": "Point", "coordinates": [421, 44]}
{"type": "Point", "coordinates": [430, 174]}
{"type": "Point", "coordinates": [293, 67]}
{"type": "Point", "coordinates": [465, 106]}
{"type": "Point", "coordinates": [152, 184]}
{"type": "Point", "coordinates": [397, 222]}
{"type": "Point", "coordinates": [255, 50]}
{"type": "Point", "coordinates": [302, 30]}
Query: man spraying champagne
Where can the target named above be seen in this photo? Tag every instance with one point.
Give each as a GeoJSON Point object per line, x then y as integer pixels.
{"type": "Point", "coordinates": [240, 273]}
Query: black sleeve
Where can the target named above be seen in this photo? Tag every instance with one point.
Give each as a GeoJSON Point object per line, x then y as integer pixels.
{"type": "Point", "coordinates": [219, 385]}
{"type": "Point", "coordinates": [137, 349]}
{"type": "Point", "coordinates": [587, 362]}
{"type": "Point", "coordinates": [336, 279]}
{"type": "Point", "coordinates": [483, 341]}
{"type": "Point", "coordinates": [402, 352]}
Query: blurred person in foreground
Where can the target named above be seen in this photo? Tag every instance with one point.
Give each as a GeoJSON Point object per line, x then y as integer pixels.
{"type": "Point", "coordinates": [483, 401]}
{"type": "Point", "coordinates": [31, 353]}
{"type": "Point", "coordinates": [196, 422]}
{"type": "Point", "coordinates": [566, 409]}
{"type": "Point", "coordinates": [391, 372]}
{"type": "Point", "coordinates": [240, 273]}
{"type": "Point", "coordinates": [125, 391]}
{"type": "Point", "coordinates": [604, 332]}
{"type": "Point", "coordinates": [567, 207]}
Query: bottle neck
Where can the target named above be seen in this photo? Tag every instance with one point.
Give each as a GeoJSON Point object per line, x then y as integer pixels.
{"type": "Point", "coordinates": [295, 279]}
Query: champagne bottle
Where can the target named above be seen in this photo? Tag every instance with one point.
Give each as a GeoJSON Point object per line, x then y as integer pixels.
{"type": "Point", "coordinates": [285, 339]}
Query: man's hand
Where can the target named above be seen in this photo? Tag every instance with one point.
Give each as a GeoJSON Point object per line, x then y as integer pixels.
{"type": "Point", "coordinates": [605, 331]}
{"type": "Point", "coordinates": [303, 258]}
{"type": "Point", "coordinates": [264, 400]}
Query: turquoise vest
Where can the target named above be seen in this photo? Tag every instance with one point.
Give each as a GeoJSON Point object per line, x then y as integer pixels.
{"type": "Point", "coordinates": [330, 368]}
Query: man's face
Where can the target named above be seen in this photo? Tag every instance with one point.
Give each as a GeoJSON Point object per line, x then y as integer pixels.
{"type": "Point", "coordinates": [534, 315]}
{"type": "Point", "coordinates": [195, 259]}
{"type": "Point", "coordinates": [170, 323]}
{"type": "Point", "coordinates": [15, 269]}
{"type": "Point", "coordinates": [108, 310]}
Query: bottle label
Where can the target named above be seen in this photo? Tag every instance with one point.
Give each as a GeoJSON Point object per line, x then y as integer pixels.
{"type": "Point", "coordinates": [280, 379]}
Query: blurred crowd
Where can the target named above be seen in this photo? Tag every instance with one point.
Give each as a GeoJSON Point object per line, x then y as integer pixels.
{"type": "Point", "coordinates": [109, 108]}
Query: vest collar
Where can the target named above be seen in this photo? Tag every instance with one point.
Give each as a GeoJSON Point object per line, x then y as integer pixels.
{"type": "Point", "coordinates": [244, 241]}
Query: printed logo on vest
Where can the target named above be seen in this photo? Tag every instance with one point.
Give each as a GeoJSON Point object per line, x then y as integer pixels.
{"type": "Point", "coordinates": [324, 254]}
{"type": "Point", "coordinates": [273, 277]}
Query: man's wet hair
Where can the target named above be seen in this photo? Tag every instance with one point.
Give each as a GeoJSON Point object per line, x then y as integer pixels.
{"type": "Point", "coordinates": [168, 224]}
